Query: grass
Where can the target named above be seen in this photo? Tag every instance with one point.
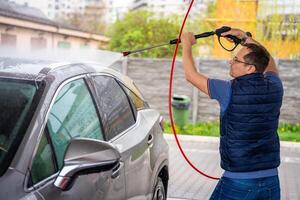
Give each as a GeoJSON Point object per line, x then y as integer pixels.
{"type": "Point", "coordinates": [286, 131]}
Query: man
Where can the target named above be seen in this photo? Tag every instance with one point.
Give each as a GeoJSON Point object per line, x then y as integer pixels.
{"type": "Point", "coordinates": [250, 107]}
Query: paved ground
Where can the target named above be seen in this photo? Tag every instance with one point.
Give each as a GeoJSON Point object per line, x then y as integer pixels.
{"type": "Point", "coordinates": [185, 183]}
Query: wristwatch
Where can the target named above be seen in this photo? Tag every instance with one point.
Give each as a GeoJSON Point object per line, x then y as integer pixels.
{"type": "Point", "coordinates": [245, 37]}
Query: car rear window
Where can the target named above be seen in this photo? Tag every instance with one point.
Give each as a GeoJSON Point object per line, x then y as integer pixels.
{"type": "Point", "coordinates": [115, 109]}
{"type": "Point", "coordinates": [16, 100]}
{"type": "Point", "coordinates": [137, 101]}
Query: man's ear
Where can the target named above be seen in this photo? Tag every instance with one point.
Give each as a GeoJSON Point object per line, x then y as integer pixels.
{"type": "Point", "coordinates": [251, 69]}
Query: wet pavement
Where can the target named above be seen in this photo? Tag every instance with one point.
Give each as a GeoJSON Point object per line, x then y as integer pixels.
{"type": "Point", "coordinates": [186, 183]}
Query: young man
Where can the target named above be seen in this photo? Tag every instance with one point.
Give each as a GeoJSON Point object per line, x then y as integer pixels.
{"type": "Point", "coordinates": [250, 107]}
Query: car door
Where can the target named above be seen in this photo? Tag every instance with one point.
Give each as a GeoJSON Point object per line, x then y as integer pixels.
{"type": "Point", "coordinates": [73, 114]}
{"type": "Point", "coordinates": [127, 130]}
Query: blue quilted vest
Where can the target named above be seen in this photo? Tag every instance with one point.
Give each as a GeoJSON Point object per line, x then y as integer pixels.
{"type": "Point", "coordinates": [249, 139]}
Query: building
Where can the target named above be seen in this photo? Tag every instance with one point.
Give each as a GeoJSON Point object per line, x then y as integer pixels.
{"type": "Point", "coordinates": [116, 9]}
{"type": "Point", "coordinates": [283, 7]}
{"type": "Point", "coordinates": [56, 8]}
{"type": "Point", "coordinates": [24, 28]}
{"type": "Point", "coordinates": [168, 7]}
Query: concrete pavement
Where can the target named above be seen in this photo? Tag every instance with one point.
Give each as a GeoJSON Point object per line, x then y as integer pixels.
{"type": "Point", "coordinates": [186, 183]}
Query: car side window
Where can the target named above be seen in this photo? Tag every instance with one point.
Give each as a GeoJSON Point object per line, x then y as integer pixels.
{"type": "Point", "coordinates": [43, 164]}
{"type": "Point", "coordinates": [115, 109]}
{"type": "Point", "coordinates": [72, 115]}
{"type": "Point", "coordinates": [137, 101]}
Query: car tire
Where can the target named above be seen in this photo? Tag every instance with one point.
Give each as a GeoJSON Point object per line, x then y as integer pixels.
{"type": "Point", "coordinates": [159, 190]}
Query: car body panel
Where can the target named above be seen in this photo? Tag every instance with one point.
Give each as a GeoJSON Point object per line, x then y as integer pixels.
{"type": "Point", "coordinates": [141, 161]}
{"type": "Point", "coordinates": [141, 158]}
{"type": "Point", "coordinates": [92, 186]}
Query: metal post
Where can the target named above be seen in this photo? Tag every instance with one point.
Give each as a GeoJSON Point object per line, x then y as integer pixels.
{"type": "Point", "coordinates": [195, 100]}
{"type": "Point", "coordinates": [195, 105]}
{"type": "Point", "coordinates": [125, 65]}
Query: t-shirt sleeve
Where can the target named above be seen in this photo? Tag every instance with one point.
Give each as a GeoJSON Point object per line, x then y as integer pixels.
{"type": "Point", "coordinates": [220, 90]}
{"type": "Point", "coordinates": [273, 77]}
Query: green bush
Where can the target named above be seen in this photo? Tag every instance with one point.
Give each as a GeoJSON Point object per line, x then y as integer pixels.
{"type": "Point", "coordinates": [286, 131]}
{"type": "Point", "coordinates": [140, 29]}
{"type": "Point", "coordinates": [289, 132]}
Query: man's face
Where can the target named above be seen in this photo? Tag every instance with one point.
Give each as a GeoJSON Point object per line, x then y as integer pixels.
{"type": "Point", "coordinates": [238, 66]}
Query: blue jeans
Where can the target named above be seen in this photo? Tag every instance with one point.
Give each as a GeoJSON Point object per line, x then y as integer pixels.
{"type": "Point", "coordinates": [267, 188]}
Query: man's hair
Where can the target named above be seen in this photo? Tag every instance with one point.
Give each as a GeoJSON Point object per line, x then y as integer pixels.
{"type": "Point", "coordinates": [258, 56]}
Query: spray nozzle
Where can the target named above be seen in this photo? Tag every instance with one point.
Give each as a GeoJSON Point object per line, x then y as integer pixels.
{"type": "Point", "coordinates": [126, 53]}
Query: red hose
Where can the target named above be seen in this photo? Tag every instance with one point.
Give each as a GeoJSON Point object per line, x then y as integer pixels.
{"type": "Point", "coordinates": [170, 96]}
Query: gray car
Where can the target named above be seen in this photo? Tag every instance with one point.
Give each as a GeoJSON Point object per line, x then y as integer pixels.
{"type": "Point", "coordinates": [77, 131]}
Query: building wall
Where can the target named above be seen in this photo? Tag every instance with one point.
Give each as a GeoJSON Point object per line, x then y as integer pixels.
{"type": "Point", "coordinates": [152, 78]}
{"type": "Point", "coordinates": [24, 36]}
{"type": "Point", "coordinates": [55, 8]}
{"type": "Point", "coordinates": [115, 9]}
{"type": "Point", "coordinates": [168, 7]}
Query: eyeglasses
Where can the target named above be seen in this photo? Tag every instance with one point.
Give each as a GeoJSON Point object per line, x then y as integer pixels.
{"type": "Point", "coordinates": [235, 59]}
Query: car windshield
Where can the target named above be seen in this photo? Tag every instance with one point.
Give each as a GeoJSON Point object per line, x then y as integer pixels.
{"type": "Point", "coordinates": [16, 100]}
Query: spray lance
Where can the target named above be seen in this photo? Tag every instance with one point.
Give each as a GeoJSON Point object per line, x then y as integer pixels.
{"type": "Point", "coordinates": [218, 32]}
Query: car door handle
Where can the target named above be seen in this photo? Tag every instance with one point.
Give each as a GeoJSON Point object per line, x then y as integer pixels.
{"type": "Point", "coordinates": [150, 139]}
{"type": "Point", "coordinates": [116, 170]}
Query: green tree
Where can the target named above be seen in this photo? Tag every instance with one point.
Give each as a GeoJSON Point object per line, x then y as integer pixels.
{"type": "Point", "coordinates": [139, 29]}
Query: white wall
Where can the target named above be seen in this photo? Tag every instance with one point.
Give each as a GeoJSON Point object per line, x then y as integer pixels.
{"type": "Point", "coordinates": [23, 39]}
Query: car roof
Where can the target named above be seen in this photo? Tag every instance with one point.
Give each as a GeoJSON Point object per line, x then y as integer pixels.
{"type": "Point", "coordinates": [31, 64]}
{"type": "Point", "coordinates": [23, 66]}
{"type": "Point", "coordinates": [32, 68]}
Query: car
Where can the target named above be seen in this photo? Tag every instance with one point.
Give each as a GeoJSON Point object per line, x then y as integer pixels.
{"type": "Point", "coordinates": [77, 131]}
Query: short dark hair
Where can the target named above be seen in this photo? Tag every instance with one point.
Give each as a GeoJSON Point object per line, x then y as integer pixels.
{"type": "Point", "coordinates": [258, 56]}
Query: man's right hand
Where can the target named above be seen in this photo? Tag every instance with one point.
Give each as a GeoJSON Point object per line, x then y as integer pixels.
{"type": "Point", "coordinates": [235, 32]}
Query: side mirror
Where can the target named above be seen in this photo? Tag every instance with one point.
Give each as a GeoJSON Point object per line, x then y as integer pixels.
{"type": "Point", "coordinates": [85, 156]}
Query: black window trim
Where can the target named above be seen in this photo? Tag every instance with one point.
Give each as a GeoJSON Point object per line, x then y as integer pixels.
{"type": "Point", "coordinates": [43, 182]}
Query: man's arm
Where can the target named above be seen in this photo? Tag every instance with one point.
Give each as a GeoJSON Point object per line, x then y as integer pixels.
{"type": "Point", "coordinates": [240, 34]}
{"type": "Point", "coordinates": [196, 78]}
{"type": "Point", "coordinates": [271, 65]}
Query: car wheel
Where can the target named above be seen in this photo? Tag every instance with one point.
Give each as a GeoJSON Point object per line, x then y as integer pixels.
{"type": "Point", "coordinates": [159, 190]}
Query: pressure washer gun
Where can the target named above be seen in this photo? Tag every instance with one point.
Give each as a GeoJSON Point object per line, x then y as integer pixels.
{"type": "Point", "coordinates": [217, 32]}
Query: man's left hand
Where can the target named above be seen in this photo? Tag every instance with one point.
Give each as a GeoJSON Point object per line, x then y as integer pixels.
{"type": "Point", "coordinates": [188, 39]}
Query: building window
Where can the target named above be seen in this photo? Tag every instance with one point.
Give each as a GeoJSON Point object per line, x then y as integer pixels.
{"type": "Point", "coordinates": [64, 45]}
{"type": "Point", "coordinates": [8, 40]}
{"type": "Point", "coordinates": [84, 46]}
{"type": "Point", "coordinates": [38, 43]}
